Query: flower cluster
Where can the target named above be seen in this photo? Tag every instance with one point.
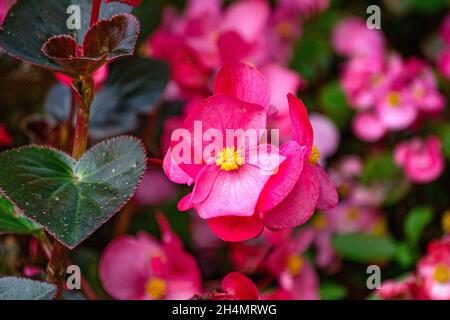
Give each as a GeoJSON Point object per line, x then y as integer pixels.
{"type": "Point", "coordinates": [389, 92]}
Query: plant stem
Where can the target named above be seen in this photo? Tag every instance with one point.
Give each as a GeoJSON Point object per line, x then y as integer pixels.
{"type": "Point", "coordinates": [56, 269]}
{"type": "Point", "coordinates": [83, 88]}
{"type": "Point", "coordinates": [84, 94]}
{"type": "Point", "coordinates": [95, 13]}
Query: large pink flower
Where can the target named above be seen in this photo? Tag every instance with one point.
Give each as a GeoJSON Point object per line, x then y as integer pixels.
{"type": "Point", "coordinates": [143, 268]}
{"type": "Point", "coordinates": [236, 194]}
{"type": "Point", "coordinates": [421, 160]}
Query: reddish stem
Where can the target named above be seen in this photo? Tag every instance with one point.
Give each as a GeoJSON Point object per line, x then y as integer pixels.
{"type": "Point", "coordinates": [95, 13]}
{"type": "Point", "coordinates": [156, 162]}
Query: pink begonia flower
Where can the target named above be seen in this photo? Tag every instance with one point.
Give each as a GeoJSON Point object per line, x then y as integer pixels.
{"type": "Point", "coordinates": [352, 38]}
{"type": "Point", "coordinates": [396, 110]}
{"type": "Point", "coordinates": [326, 136]}
{"type": "Point", "coordinates": [237, 197]}
{"type": "Point", "coordinates": [284, 28]}
{"type": "Point", "coordinates": [421, 159]}
{"type": "Point", "coordinates": [398, 290]}
{"type": "Point", "coordinates": [294, 273]}
{"type": "Point", "coordinates": [5, 138]}
{"type": "Point", "coordinates": [143, 268]}
{"type": "Point", "coordinates": [431, 281]}
{"type": "Point", "coordinates": [433, 271]}
{"type": "Point", "coordinates": [368, 127]}
{"type": "Point", "coordinates": [236, 286]}
{"type": "Point", "coordinates": [100, 76]}
{"type": "Point", "coordinates": [154, 188]}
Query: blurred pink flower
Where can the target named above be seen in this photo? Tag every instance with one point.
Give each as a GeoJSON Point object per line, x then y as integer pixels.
{"type": "Point", "coordinates": [398, 290]}
{"type": "Point", "coordinates": [326, 136]}
{"type": "Point", "coordinates": [444, 63]}
{"type": "Point", "coordinates": [445, 30]}
{"type": "Point", "coordinates": [352, 38]}
{"type": "Point", "coordinates": [236, 286]}
{"type": "Point", "coordinates": [421, 159]}
{"type": "Point", "coordinates": [295, 274]}
{"type": "Point", "coordinates": [154, 188]}
{"type": "Point", "coordinates": [433, 271]}
{"type": "Point", "coordinates": [143, 268]}
{"type": "Point", "coordinates": [368, 127]}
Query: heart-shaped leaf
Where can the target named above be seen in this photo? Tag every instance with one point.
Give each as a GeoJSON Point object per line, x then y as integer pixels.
{"type": "Point", "coordinates": [30, 23]}
{"type": "Point", "coordinates": [72, 199]}
{"type": "Point", "coordinates": [10, 223]}
{"type": "Point", "coordinates": [105, 41]}
{"type": "Point", "coordinates": [12, 288]}
{"type": "Point", "coordinates": [134, 86]}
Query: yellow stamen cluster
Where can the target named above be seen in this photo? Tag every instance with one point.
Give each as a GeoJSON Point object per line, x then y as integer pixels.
{"type": "Point", "coordinates": [380, 228]}
{"type": "Point", "coordinates": [285, 29]}
{"type": "Point", "coordinates": [352, 214]}
{"type": "Point", "coordinates": [441, 273]}
{"type": "Point", "coordinates": [294, 264]}
{"type": "Point", "coordinates": [394, 99]}
{"type": "Point", "coordinates": [320, 221]}
{"type": "Point", "coordinates": [156, 288]}
{"type": "Point", "coordinates": [314, 156]}
{"type": "Point", "coordinates": [446, 221]}
{"type": "Point", "coordinates": [229, 159]}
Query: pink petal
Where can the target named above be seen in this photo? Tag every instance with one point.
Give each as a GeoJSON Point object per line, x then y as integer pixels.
{"type": "Point", "coordinates": [232, 228]}
{"type": "Point", "coordinates": [235, 193]}
{"type": "Point", "coordinates": [328, 197]}
{"type": "Point", "coordinates": [281, 184]}
{"type": "Point", "coordinates": [243, 82]}
{"type": "Point", "coordinates": [239, 286]}
{"type": "Point", "coordinates": [302, 130]}
{"type": "Point", "coordinates": [299, 205]}
{"type": "Point", "coordinates": [233, 48]}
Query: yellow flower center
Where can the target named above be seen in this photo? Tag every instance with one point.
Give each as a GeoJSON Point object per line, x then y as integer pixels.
{"type": "Point", "coordinates": [285, 29]}
{"type": "Point", "coordinates": [156, 288]}
{"type": "Point", "coordinates": [394, 99]}
{"type": "Point", "coordinates": [380, 227]}
{"type": "Point", "coordinates": [294, 265]}
{"type": "Point", "coordinates": [441, 273]}
{"type": "Point", "coordinates": [229, 159]}
{"type": "Point", "coordinates": [314, 155]}
{"type": "Point", "coordinates": [446, 221]}
{"type": "Point", "coordinates": [352, 214]}
{"type": "Point", "coordinates": [320, 221]}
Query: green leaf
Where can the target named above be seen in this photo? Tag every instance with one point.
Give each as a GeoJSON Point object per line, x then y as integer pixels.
{"type": "Point", "coordinates": [380, 167]}
{"type": "Point", "coordinates": [10, 223]}
{"type": "Point", "coordinates": [30, 23]}
{"type": "Point", "coordinates": [12, 288]}
{"type": "Point", "coordinates": [415, 223]}
{"type": "Point", "coordinates": [364, 248]}
{"type": "Point", "coordinates": [334, 102]}
{"type": "Point", "coordinates": [72, 199]}
{"type": "Point", "coordinates": [406, 255]}
{"type": "Point", "coordinates": [332, 291]}
{"type": "Point", "coordinates": [444, 134]}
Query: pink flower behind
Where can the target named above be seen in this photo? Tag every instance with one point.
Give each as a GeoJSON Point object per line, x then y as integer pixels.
{"type": "Point", "coordinates": [352, 38]}
{"type": "Point", "coordinates": [143, 268]}
{"type": "Point", "coordinates": [421, 160]}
